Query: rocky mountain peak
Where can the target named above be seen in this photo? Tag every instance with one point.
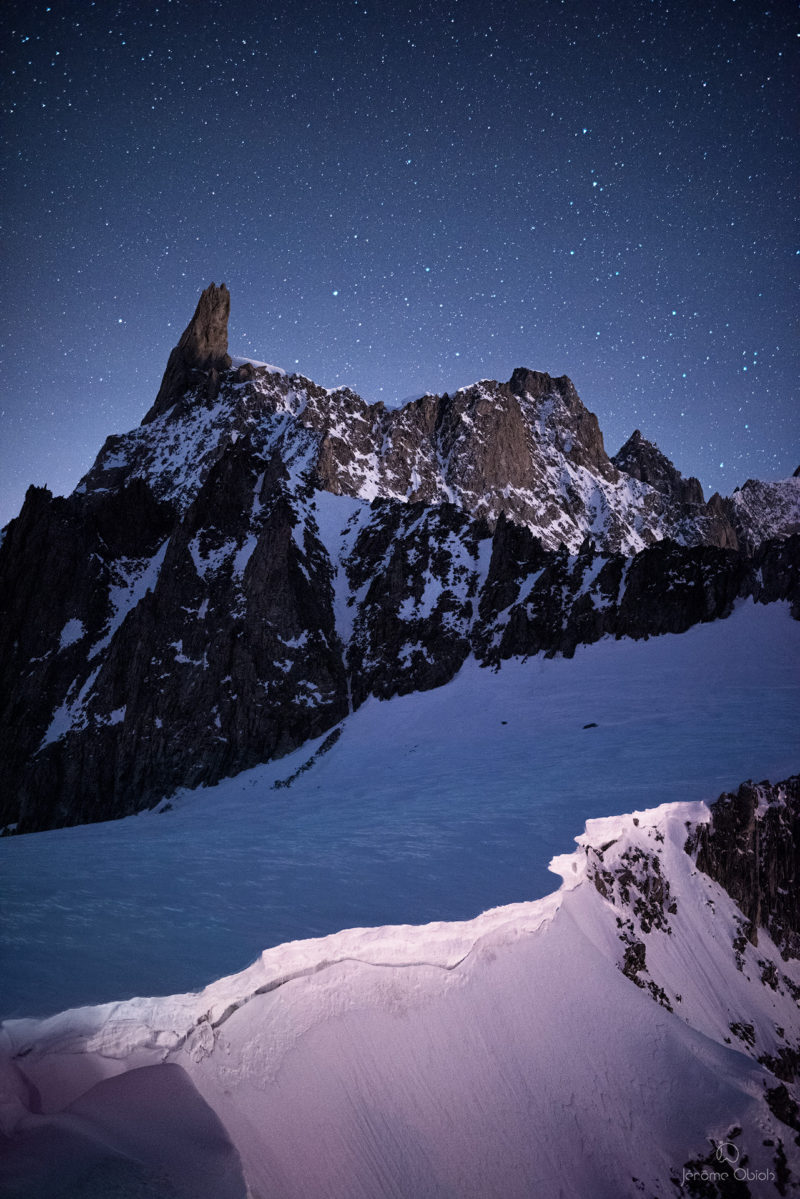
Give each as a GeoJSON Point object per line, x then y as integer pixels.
{"type": "Point", "coordinates": [528, 448]}
{"type": "Point", "coordinates": [643, 460]}
{"type": "Point", "coordinates": [577, 432]}
{"type": "Point", "coordinates": [538, 384]}
{"type": "Point", "coordinates": [201, 352]}
{"type": "Point", "coordinates": [263, 553]}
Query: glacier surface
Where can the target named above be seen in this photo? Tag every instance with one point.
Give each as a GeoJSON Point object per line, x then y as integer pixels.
{"type": "Point", "coordinates": [429, 806]}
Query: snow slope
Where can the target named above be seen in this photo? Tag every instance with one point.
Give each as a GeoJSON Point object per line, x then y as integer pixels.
{"type": "Point", "coordinates": [507, 1056]}
{"type": "Point", "coordinates": [430, 806]}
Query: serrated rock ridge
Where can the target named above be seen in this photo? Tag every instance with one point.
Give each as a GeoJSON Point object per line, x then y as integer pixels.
{"type": "Point", "coordinates": [262, 553]}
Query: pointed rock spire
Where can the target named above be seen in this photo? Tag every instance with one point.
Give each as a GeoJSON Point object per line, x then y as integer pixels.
{"type": "Point", "coordinates": [201, 352]}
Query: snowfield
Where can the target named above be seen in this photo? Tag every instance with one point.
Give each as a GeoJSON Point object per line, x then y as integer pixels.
{"type": "Point", "coordinates": [598, 1041]}
{"type": "Point", "coordinates": [432, 806]}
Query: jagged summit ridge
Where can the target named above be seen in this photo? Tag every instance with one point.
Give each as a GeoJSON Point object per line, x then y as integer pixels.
{"type": "Point", "coordinates": [234, 575]}
{"type": "Point", "coordinates": [527, 448]}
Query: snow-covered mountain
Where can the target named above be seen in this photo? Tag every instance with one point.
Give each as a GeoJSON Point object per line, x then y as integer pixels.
{"type": "Point", "coordinates": [368, 667]}
{"type": "Point", "coordinates": [239, 573]}
{"type": "Point", "coordinates": [634, 1033]}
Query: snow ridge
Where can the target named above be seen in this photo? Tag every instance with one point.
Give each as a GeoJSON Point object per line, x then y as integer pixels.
{"type": "Point", "coordinates": [497, 1009]}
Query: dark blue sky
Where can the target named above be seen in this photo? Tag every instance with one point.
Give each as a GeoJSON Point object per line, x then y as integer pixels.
{"type": "Point", "coordinates": [402, 198]}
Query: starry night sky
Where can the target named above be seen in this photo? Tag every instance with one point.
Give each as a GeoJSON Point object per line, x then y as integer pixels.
{"type": "Point", "coordinates": [404, 198]}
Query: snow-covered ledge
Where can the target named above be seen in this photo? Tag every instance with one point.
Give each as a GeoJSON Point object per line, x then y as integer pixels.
{"type": "Point", "coordinates": [571, 1046]}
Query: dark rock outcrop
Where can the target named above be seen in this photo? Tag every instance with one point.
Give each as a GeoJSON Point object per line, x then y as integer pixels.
{"type": "Point", "coordinates": [643, 460]}
{"type": "Point", "coordinates": [201, 353]}
{"type": "Point", "coordinates": [62, 561]}
{"type": "Point", "coordinates": [775, 567]}
{"type": "Point", "coordinates": [229, 658]}
{"type": "Point", "coordinates": [414, 568]}
{"type": "Point", "coordinates": [177, 649]}
{"type": "Point", "coordinates": [579, 436]}
{"type": "Point", "coordinates": [538, 601]}
{"type": "Point", "coordinates": [751, 847]}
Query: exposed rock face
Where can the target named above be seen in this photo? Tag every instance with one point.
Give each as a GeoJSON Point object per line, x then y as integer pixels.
{"type": "Point", "coordinates": [65, 565]}
{"type": "Point", "coordinates": [578, 435]}
{"type": "Point", "coordinates": [777, 571]}
{"type": "Point", "coordinates": [758, 506]}
{"type": "Point", "coordinates": [527, 448]}
{"type": "Point", "coordinates": [228, 657]}
{"type": "Point", "coordinates": [256, 619]}
{"type": "Point", "coordinates": [643, 460]}
{"type": "Point", "coordinates": [201, 352]}
{"type": "Point", "coordinates": [537, 601]}
{"type": "Point", "coordinates": [752, 849]}
{"type": "Point", "coordinates": [721, 531]}
{"type": "Point", "coordinates": [261, 554]}
{"type": "Point", "coordinates": [415, 571]}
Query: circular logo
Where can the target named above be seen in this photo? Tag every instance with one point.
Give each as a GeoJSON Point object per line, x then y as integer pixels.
{"type": "Point", "coordinates": [727, 1152]}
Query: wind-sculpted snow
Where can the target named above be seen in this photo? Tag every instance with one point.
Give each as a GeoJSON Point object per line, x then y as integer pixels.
{"type": "Point", "coordinates": [602, 1041]}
